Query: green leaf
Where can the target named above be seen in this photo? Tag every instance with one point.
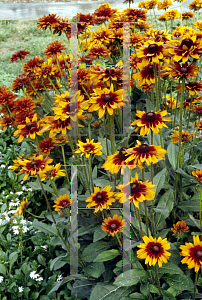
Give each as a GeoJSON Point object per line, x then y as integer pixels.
{"type": "Point", "coordinates": [188, 206]}
{"type": "Point", "coordinates": [36, 186]}
{"type": "Point", "coordinates": [58, 284]}
{"type": "Point", "coordinates": [34, 295]}
{"type": "Point", "coordinates": [41, 260]}
{"type": "Point", "coordinates": [179, 283]}
{"type": "Point", "coordinates": [82, 288]}
{"type": "Point", "coordinates": [137, 296]}
{"type": "Point", "coordinates": [54, 263]}
{"type": "Point", "coordinates": [130, 277]}
{"type": "Point", "coordinates": [172, 152]}
{"type": "Point", "coordinates": [101, 182]}
{"type": "Point", "coordinates": [107, 291]}
{"type": "Point", "coordinates": [44, 297]}
{"type": "Point", "coordinates": [3, 269]}
{"type": "Point", "coordinates": [12, 175]}
{"type": "Point", "coordinates": [94, 174]}
{"type": "Point", "coordinates": [98, 234]}
{"type": "Point", "coordinates": [164, 207]}
{"type": "Point", "coordinates": [94, 249]}
{"type": "Point", "coordinates": [45, 228]}
{"type": "Point", "coordinates": [94, 269]}
{"type": "Point", "coordinates": [107, 255]}
{"type": "Point", "coordinates": [195, 221]}
{"type": "Point", "coordinates": [181, 172]}
{"type": "Point", "coordinates": [197, 166]}
{"type": "Point", "coordinates": [169, 268]}
{"type": "Point", "coordinates": [12, 258]}
{"type": "Point", "coordinates": [159, 180]}
{"type": "Point", "coordinates": [153, 289]}
{"type": "Point", "coordinates": [149, 106]}
{"type": "Point", "coordinates": [167, 296]}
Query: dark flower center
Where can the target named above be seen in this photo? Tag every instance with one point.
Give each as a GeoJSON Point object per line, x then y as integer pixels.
{"type": "Point", "coordinates": [88, 148]}
{"type": "Point", "coordinates": [135, 187]}
{"type": "Point", "coordinates": [183, 69]}
{"type": "Point", "coordinates": [192, 83]}
{"type": "Point", "coordinates": [150, 70]}
{"type": "Point", "coordinates": [153, 48]}
{"type": "Point", "coordinates": [188, 100]}
{"type": "Point", "coordinates": [198, 253]}
{"type": "Point", "coordinates": [113, 226]}
{"type": "Point", "coordinates": [155, 248]}
{"type": "Point", "coordinates": [187, 42]}
{"type": "Point", "coordinates": [109, 71]}
{"type": "Point", "coordinates": [107, 98]}
{"type": "Point", "coordinates": [150, 117]}
{"type": "Point", "coordinates": [29, 126]}
{"type": "Point", "coordinates": [64, 203]}
{"type": "Point", "coordinates": [121, 155]}
{"type": "Point", "coordinates": [34, 163]}
{"type": "Point", "coordinates": [144, 148]}
{"type": "Point", "coordinates": [72, 107]}
{"type": "Point", "coordinates": [99, 197]}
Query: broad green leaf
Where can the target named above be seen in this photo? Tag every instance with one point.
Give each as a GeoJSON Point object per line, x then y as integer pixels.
{"type": "Point", "coordinates": [107, 255]}
{"type": "Point", "coordinates": [172, 152]}
{"type": "Point", "coordinates": [197, 166]}
{"type": "Point", "coordinates": [169, 268]}
{"type": "Point", "coordinates": [45, 228]}
{"type": "Point", "coordinates": [86, 230]}
{"type": "Point", "coordinates": [130, 277]}
{"type": "Point", "coordinates": [188, 206]}
{"type": "Point", "coordinates": [137, 296]}
{"type": "Point", "coordinates": [159, 180]}
{"type": "Point", "coordinates": [36, 186]}
{"type": "Point", "coordinates": [165, 206]}
{"type": "Point", "coordinates": [92, 250]}
{"type": "Point", "coordinates": [167, 295]}
{"type": "Point", "coordinates": [153, 289]}
{"type": "Point", "coordinates": [53, 265]}
{"type": "Point", "coordinates": [195, 221]}
{"type": "Point", "coordinates": [107, 291]}
{"type": "Point", "coordinates": [12, 258]}
{"type": "Point", "coordinates": [181, 172]}
{"type": "Point", "coordinates": [34, 296]}
{"type": "Point", "coordinates": [98, 234]}
{"type": "Point", "coordinates": [94, 174]}
{"type": "Point", "coordinates": [179, 283]}
{"type": "Point", "coordinates": [101, 182]}
{"type": "Point", "coordinates": [58, 284]}
{"type": "Point", "coordinates": [94, 269]}
{"type": "Point", "coordinates": [149, 106]}
{"type": "Point", "coordinates": [41, 260]}
{"type": "Point", "coordinates": [82, 288]}
{"type": "Point", "coordinates": [3, 269]}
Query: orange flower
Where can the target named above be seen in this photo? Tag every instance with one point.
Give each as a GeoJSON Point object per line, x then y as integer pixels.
{"type": "Point", "coordinates": [180, 227]}
{"type": "Point", "coordinates": [21, 54]}
{"type": "Point", "coordinates": [62, 202]}
{"type": "Point", "coordinates": [54, 48]}
{"type": "Point", "coordinates": [198, 175]}
{"type": "Point", "coordinates": [48, 21]}
{"type": "Point", "coordinates": [113, 225]}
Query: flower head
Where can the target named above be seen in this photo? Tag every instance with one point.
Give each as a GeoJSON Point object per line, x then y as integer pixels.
{"type": "Point", "coordinates": [101, 198]}
{"type": "Point", "coordinates": [54, 48]}
{"type": "Point", "coordinates": [192, 253]}
{"type": "Point", "coordinates": [198, 175]}
{"type": "Point", "coordinates": [185, 136]}
{"type": "Point", "coordinates": [179, 229]}
{"type": "Point", "coordinates": [89, 148]}
{"type": "Point", "coordinates": [21, 54]}
{"type": "Point", "coordinates": [151, 120]}
{"type": "Point", "coordinates": [48, 21]}
{"type": "Point", "coordinates": [62, 202]}
{"type": "Point", "coordinates": [154, 250]}
{"type": "Point", "coordinates": [113, 225]}
{"type": "Point", "coordinates": [136, 190]}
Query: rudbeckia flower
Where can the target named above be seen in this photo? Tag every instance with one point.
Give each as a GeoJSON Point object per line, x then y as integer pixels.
{"type": "Point", "coordinates": [154, 250]}
{"type": "Point", "coordinates": [113, 225]}
{"type": "Point", "coordinates": [192, 253]}
{"type": "Point", "coordinates": [89, 148]}
{"type": "Point", "coordinates": [139, 191]}
{"type": "Point", "coordinates": [180, 227]}
{"type": "Point", "coordinates": [101, 198]}
{"type": "Point", "coordinates": [151, 120]}
{"type": "Point", "coordinates": [21, 54]}
{"type": "Point", "coordinates": [62, 202]}
{"type": "Point", "coordinates": [198, 175]}
{"type": "Point", "coordinates": [185, 136]}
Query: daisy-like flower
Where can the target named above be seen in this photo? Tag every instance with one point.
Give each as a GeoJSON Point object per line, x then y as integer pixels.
{"type": "Point", "coordinates": [113, 225]}
{"type": "Point", "coordinates": [101, 198]}
{"type": "Point", "coordinates": [143, 153]}
{"type": "Point", "coordinates": [106, 99]}
{"type": "Point", "coordinates": [48, 21]}
{"type": "Point", "coordinates": [101, 35]}
{"type": "Point", "coordinates": [31, 128]}
{"type": "Point", "coordinates": [32, 166]}
{"type": "Point", "coordinates": [46, 146]}
{"type": "Point", "coordinates": [21, 208]}
{"type": "Point", "coordinates": [180, 227]}
{"type": "Point", "coordinates": [151, 120]}
{"type": "Point", "coordinates": [154, 250]}
{"type": "Point", "coordinates": [195, 5]}
{"type": "Point", "coordinates": [172, 14]}
{"type": "Point", "coordinates": [54, 48]}
{"type": "Point", "coordinates": [6, 96]}
{"type": "Point", "coordinates": [62, 202]}
{"type": "Point", "coordinates": [151, 53]}
{"type": "Point", "coordinates": [192, 253]}
{"type": "Point", "coordinates": [53, 172]}
{"type": "Point", "coordinates": [198, 175]}
{"type": "Point", "coordinates": [198, 25]}
{"type": "Point", "coordinates": [193, 87]}
{"type": "Point", "coordinates": [116, 162]}
{"type": "Point", "coordinates": [164, 4]}
{"type": "Point", "coordinates": [89, 148]}
{"type": "Point", "coordinates": [185, 136]}
{"type": "Point", "coordinates": [105, 11]}
{"type": "Point", "coordinates": [21, 54]}
{"type": "Point", "coordinates": [197, 109]}
{"type": "Point", "coordinates": [97, 51]}
{"type": "Point", "coordinates": [187, 15]}
{"type": "Point", "coordinates": [178, 71]}
{"type": "Point", "coordinates": [139, 191]}
{"type": "Point", "coordinates": [31, 65]}
{"type": "Point", "coordinates": [146, 75]}
{"type": "Point", "coordinates": [20, 289]}
{"type": "Point", "coordinates": [19, 82]}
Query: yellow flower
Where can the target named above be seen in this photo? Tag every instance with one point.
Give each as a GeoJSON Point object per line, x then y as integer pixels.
{"type": "Point", "coordinates": [101, 198]}
{"type": "Point", "coordinates": [192, 253]}
{"type": "Point", "coordinates": [198, 175]}
{"type": "Point", "coordinates": [62, 202]}
{"type": "Point", "coordinates": [185, 136]}
{"type": "Point", "coordinates": [113, 225]}
{"type": "Point", "coordinates": [89, 148]}
{"type": "Point", "coordinates": [154, 250]}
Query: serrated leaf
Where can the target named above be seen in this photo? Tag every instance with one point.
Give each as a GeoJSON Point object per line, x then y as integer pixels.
{"type": "Point", "coordinates": [172, 152]}
{"type": "Point", "coordinates": [94, 269]}
{"type": "Point", "coordinates": [107, 255]}
{"type": "Point", "coordinates": [130, 277]}
{"type": "Point", "coordinates": [107, 291]}
{"type": "Point", "coordinates": [159, 180]}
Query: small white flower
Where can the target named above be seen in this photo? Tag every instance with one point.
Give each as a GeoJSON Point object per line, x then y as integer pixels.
{"type": "Point", "coordinates": [29, 190]}
{"type": "Point", "coordinates": [9, 167]}
{"type": "Point", "coordinates": [23, 222]}
{"type": "Point", "coordinates": [1, 278]}
{"type": "Point", "coordinates": [24, 229]}
{"type": "Point", "coordinates": [33, 275]}
{"type": "Point", "coordinates": [19, 193]}
{"type": "Point", "coordinates": [11, 193]}
{"type": "Point", "coordinates": [59, 278]}
{"type": "Point", "coordinates": [14, 221]}
{"type": "Point", "coordinates": [16, 231]}
{"type": "Point", "coordinates": [2, 166]}
{"type": "Point", "coordinates": [20, 289]}
{"type": "Point", "coordinates": [39, 279]}
{"type": "Point", "coordinates": [44, 247]}
{"type": "Point", "coordinates": [13, 211]}
{"type": "Point", "coordinates": [24, 187]}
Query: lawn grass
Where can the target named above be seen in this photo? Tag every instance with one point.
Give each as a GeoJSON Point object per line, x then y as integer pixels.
{"type": "Point", "coordinates": [18, 35]}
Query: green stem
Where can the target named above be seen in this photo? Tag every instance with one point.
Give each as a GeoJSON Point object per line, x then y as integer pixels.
{"type": "Point", "coordinates": [86, 38]}
{"type": "Point", "coordinates": [156, 86]}
{"type": "Point", "coordinates": [196, 278]}
{"type": "Point", "coordinates": [90, 170]}
{"type": "Point", "coordinates": [61, 72]}
{"type": "Point", "coordinates": [157, 279]}
{"type": "Point", "coordinates": [180, 125]}
{"type": "Point", "coordinates": [139, 219]}
{"type": "Point", "coordinates": [64, 160]}
{"type": "Point", "coordinates": [105, 126]}
{"type": "Point", "coordinates": [112, 137]}
{"type": "Point", "coordinates": [190, 107]}
{"type": "Point", "coordinates": [145, 207]}
{"type": "Point", "coordinates": [86, 177]}
{"type": "Point", "coordinates": [85, 91]}
{"type": "Point", "coordinates": [124, 251]}
{"type": "Point", "coordinates": [200, 208]}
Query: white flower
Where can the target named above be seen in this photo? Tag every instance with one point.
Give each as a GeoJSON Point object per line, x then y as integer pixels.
{"type": "Point", "coordinates": [23, 222]}
{"type": "Point", "coordinates": [29, 190]}
{"type": "Point", "coordinates": [16, 231]}
{"type": "Point", "coordinates": [13, 211]}
{"type": "Point", "coordinates": [44, 247]}
{"type": "Point", "coordinates": [9, 167]}
{"type": "Point", "coordinates": [14, 221]}
{"type": "Point", "coordinates": [1, 278]}
{"type": "Point", "coordinates": [20, 289]}
{"type": "Point", "coordinates": [59, 278]}
{"type": "Point", "coordinates": [2, 166]}
{"type": "Point", "coordinates": [11, 193]}
{"type": "Point", "coordinates": [19, 193]}
{"type": "Point", "coordinates": [39, 279]}
{"type": "Point", "coordinates": [33, 275]}
{"type": "Point", "coordinates": [24, 229]}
